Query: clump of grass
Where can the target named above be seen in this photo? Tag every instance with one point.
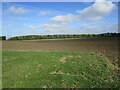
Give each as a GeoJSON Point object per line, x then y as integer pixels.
{"type": "Point", "coordinates": [31, 69]}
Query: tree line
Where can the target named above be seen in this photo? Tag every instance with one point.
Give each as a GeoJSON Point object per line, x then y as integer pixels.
{"type": "Point", "coordinates": [2, 37]}
{"type": "Point", "coordinates": [32, 37]}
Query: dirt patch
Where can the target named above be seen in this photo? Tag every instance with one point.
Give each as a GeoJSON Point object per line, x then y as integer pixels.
{"type": "Point", "coordinates": [45, 87]}
{"type": "Point", "coordinates": [63, 59]}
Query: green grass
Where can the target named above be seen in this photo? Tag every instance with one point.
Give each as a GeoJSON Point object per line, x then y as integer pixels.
{"type": "Point", "coordinates": [35, 69]}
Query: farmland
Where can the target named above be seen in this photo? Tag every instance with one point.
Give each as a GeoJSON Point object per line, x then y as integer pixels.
{"type": "Point", "coordinates": [60, 44]}
{"type": "Point", "coordinates": [107, 46]}
{"type": "Point", "coordinates": [63, 63]}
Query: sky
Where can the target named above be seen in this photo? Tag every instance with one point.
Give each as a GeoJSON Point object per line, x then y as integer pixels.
{"type": "Point", "coordinates": [43, 18]}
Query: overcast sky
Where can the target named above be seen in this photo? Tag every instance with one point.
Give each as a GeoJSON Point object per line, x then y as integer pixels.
{"type": "Point", "coordinates": [36, 18]}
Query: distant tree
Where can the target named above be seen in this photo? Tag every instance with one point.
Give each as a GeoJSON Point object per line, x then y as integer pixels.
{"type": "Point", "coordinates": [2, 37]}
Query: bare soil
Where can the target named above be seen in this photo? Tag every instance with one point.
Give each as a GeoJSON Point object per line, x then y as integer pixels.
{"type": "Point", "coordinates": [106, 46]}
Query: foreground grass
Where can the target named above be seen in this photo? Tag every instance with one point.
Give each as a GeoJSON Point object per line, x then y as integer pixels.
{"type": "Point", "coordinates": [34, 69]}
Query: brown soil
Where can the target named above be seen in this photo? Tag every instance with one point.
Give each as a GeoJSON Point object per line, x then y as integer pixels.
{"type": "Point", "coordinates": [63, 59]}
{"type": "Point", "coordinates": [106, 46]}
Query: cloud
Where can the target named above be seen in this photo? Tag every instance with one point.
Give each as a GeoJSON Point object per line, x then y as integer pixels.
{"type": "Point", "coordinates": [96, 11]}
{"type": "Point", "coordinates": [65, 19]}
{"type": "Point", "coordinates": [17, 10]}
{"type": "Point", "coordinates": [42, 13]}
{"type": "Point", "coordinates": [82, 29]}
{"type": "Point", "coordinates": [95, 28]}
{"type": "Point", "coordinates": [95, 18]}
{"type": "Point", "coordinates": [86, 29]}
{"type": "Point", "coordinates": [49, 26]}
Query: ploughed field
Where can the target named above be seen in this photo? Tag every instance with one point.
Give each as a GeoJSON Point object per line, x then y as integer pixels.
{"type": "Point", "coordinates": [106, 46]}
{"type": "Point", "coordinates": [63, 63]}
